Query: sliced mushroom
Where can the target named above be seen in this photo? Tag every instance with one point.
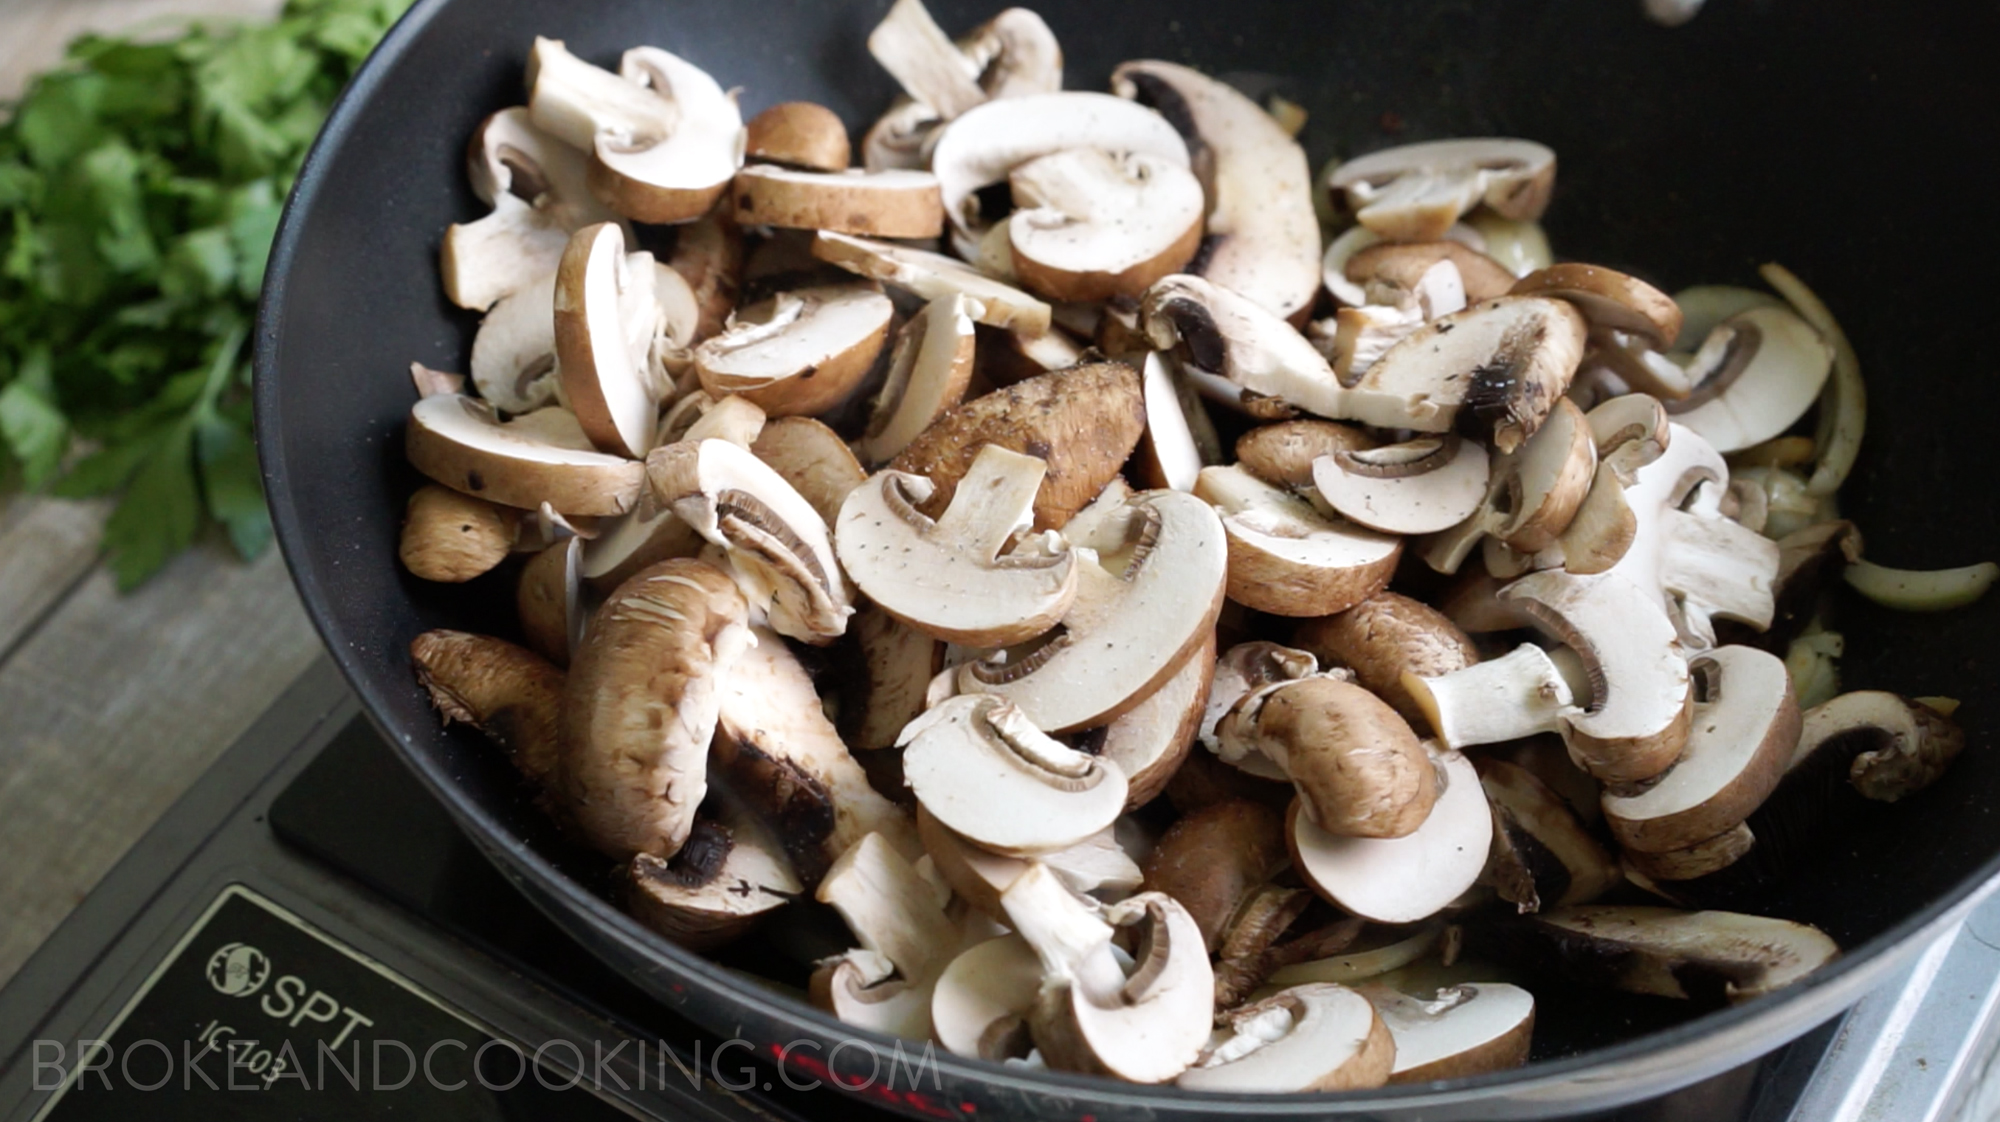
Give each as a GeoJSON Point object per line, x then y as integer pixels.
{"type": "Point", "coordinates": [933, 275]}
{"type": "Point", "coordinates": [1516, 695]}
{"type": "Point", "coordinates": [982, 769]}
{"type": "Point", "coordinates": [1358, 768]}
{"type": "Point", "coordinates": [1519, 244]}
{"type": "Point", "coordinates": [1151, 740]}
{"type": "Point", "coordinates": [1542, 856]}
{"type": "Point", "coordinates": [512, 695]}
{"type": "Point", "coordinates": [1397, 269]}
{"type": "Point", "coordinates": [1285, 558]}
{"type": "Point", "coordinates": [1708, 957]}
{"type": "Point", "coordinates": [1418, 487]}
{"type": "Point", "coordinates": [1095, 865]}
{"type": "Point", "coordinates": [1463, 1031]}
{"type": "Point", "coordinates": [981, 1002]}
{"type": "Point", "coordinates": [542, 457]}
{"type": "Point", "coordinates": [1213, 859]}
{"type": "Point", "coordinates": [1610, 300]}
{"type": "Point", "coordinates": [894, 669]}
{"type": "Point", "coordinates": [1307, 1038]}
{"type": "Point", "coordinates": [800, 352]}
{"type": "Point", "coordinates": [1262, 239]}
{"type": "Point", "coordinates": [899, 921]}
{"type": "Point", "coordinates": [730, 874]}
{"type": "Point", "coordinates": [798, 134]}
{"type": "Point", "coordinates": [1084, 422]}
{"type": "Point", "coordinates": [922, 58]}
{"type": "Point", "coordinates": [929, 372]}
{"type": "Point", "coordinates": [1284, 453]}
{"type": "Point", "coordinates": [650, 532]}
{"type": "Point", "coordinates": [514, 354]}
{"type": "Point", "coordinates": [1170, 454]}
{"type": "Point", "coordinates": [664, 138]}
{"type": "Point", "coordinates": [880, 204]}
{"type": "Point", "coordinates": [1405, 879]}
{"type": "Point", "coordinates": [1702, 859]}
{"type": "Point", "coordinates": [1535, 492]}
{"type": "Point", "coordinates": [901, 137]}
{"type": "Point", "coordinates": [1245, 670]}
{"type": "Point", "coordinates": [948, 577]}
{"type": "Point", "coordinates": [1897, 747]}
{"type": "Point", "coordinates": [453, 537]}
{"type": "Point", "coordinates": [1754, 376]}
{"type": "Point", "coordinates": [1146, 606]}
{"type": "Point", "coordinates": [605, 320]}
{"type": "Point", "coordinates": [536, 187]}
{"type": "Point", "coordinates": [642, 702]}
{"type": "Point", "coordinates": [1094, 224]}
{"type": "Point", "coordinates": [1239, 353]}
{"type": "Point", "coordinates": [778, 545]}
{"type": "Point", "coordinates": [1373, 958]}
{"type": "Point", "coordinates": [1007, 357]}
{"type": "Point", "coordinates": [549, 601]}
{"type": "Point", "coordinates": [1744, 727]}
{"type": "Point", "coordinates": [708, 255]}
{"type": "Point", "coordinates": [813, 459]}
{"type": "Point", "coordinates": [1385, 637]}
{"type": "Point", "coordinates": [1416, 192]}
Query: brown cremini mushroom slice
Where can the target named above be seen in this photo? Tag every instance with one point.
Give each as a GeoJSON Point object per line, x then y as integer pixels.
{"type": "Point", "coordinates": [1284, 453]}
{"type": "Point", "coordinates": [1417, 487]}
{"type": "Point", "coordinates": [549, 601]}
{"type": "Point", "coordinates": [1756, 374]}
{"type": "Point", "coordinates": [1287, 559]}
{"type": "Point", "coordinates": [949, 578]}
{"type": "Point", "coordinates": [1708, 957]}
{"type": "Point", "coordinates": [453, 537]}
{"type": "Point", "coordinates": [1699, 860]}
{"type": "Point", "coordinates": [1213, 859]}
{"type": "Point", "coordinates": [1542, 855]}
{"type": "Point", "coordinates": [1094, 224]}
{"type": "Point", "coordinates": [1237, 352]}
{"type": "Point", "coordinates": [1405, 879]}
{"type": "Point", "coordinates": [542, 457]}
{"type": "Point", "coordinates": [1534, 495]}
{"type": "Point", "coordinates": [1244, 670]}
{"type": "Point", "coordinates": [1897, 747]}
{"type": "Point", "coordinates": [1358, 768]}
{"type": "Point", "coordinates": [1261, 238]}
{"type": "Point", "coordinates": [1397, 268]}
{"type": "Point", "coordinates": [664, 138]}
{"type": "Point", "coordinates": [813, 459]}
{"type": "Point", "coordinates": [1515, 695]}
{"type": "Point", "coordinates": [1417, 191]}
{"type": "Point", "coordinates": [1149, 742]}
{"type": "Point", "coordinates": [1744, 727]}
{"type": "Point", "coordinates": [1170, 453]}
{"type": "Point", "coordinates": [642, 702]}
{"type": "Point", "coordinates": [606, 316]}
{"type": "Point", "coordinates": [708, 255]}
{"type": "Point", "coordinates": [800, 352]}
{"type": "Point", "coordinates": [1385, 637]}
{"type": "Point", "coordinates": [889, 678]}
{"type": "Point", "coordinates": [1306, 1038]}
{"type": "Point", "coordinates": [1610, 300]}
{"type": "Point", "coordinates": [730, 874]}
{"type": "Point", "coordinates": [905, 938]}
{"type": "Point", "coordinates": [879, 204]}
{"type": "Point", "coordinates": [777, 544]}
{"type": "Point", "coordinates": [929, 371]}
{"type": "Point", "coordinates": [1084, 422]}
{"type": "Point", "coordinates": [983, 770]}
{"type": "Point", "coordinates": [798, 134]}
{"type": "Point", "coordinates": [650, 532]}
{"type": "Point", "coordinates": [980, 1005]}
{"type": "Point", "coordinates": [1462, 1031]}
{"type": "Point", "coordinates": [1375, 952]}
{"type": "Point", "coordinates": [1147, 604]}
{"type": "Point", "coordinates": [514, 354]}
{"type": "Point", "coordinates": [511, 694]}
{"type": "Point", "coordinates": [1097, 865]}
{"type": "Point", "coordinates": [536, 186]}
{"type": "Point", "coordinates": [1091, 1015]}
{"type": "Point", "coordinates": [932, 275]}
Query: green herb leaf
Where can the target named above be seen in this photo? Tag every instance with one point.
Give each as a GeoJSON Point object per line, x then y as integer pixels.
{"type": "Point", "coordinates": [160, 513]}
{"type": "Point", "coordinates": [35, 430]}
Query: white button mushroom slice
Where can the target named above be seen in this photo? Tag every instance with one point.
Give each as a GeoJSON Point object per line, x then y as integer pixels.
{"type": "Point", "coordinates": [1170, 456]}
{"type": "Point", "coordinates": [777, 544]}
{"type": "Point", "coordinates": [1284, 557]}
{"type": "Point", "coordinates": [798, 134]}
{"type": "Point", "coordinates": [1262, 239]}
{"type": "Point", "coordinates": [540, 457]}
{"type": "Point", "coordinates": [983, 770]}
{"type": "Point", "coordinates": [984, 145]}
{"type": "Point", "coordinates": [1095, 865]}
{"type": "Point", "coordinates": [642, 702]}
{"type": "Point", "coordinates": [510, 694]}
{"type": "Point", "coordinates": [1518, 694]}
{"type": "Point", "coordinates": [1711, 955]}
{"type": "Point", "coordinates": [933, 275]}
{"type": "Point", "coordinates": [1625, 363]}
{"type": "Point", "coordinates": [1149, 742]}
{"type": "Point", "coordinates": [1243, 670]}
{"type": "Point", "coordinates": [1091, 1016]}
{"type": "Point", "coordinates": [1400, 269]}
{"type": "Point", "coordinates": [514, 354]}
{"type": "Point", "coordinates": [1358, 964]}
{"type": "Point", "coordinates": [1419, 487]}
{"type": "Point", "coordinates": [800, 352]}
{"type": "Point", "coordinates": [1358, 768]}
{"type": "Point", "coordinates": [880, 204]}
{"type": "Point", "coordinates": [981, 1003]}
{"type": "Point", "coordinates": [731, 873]}
{"type": "Point", "coordinates": [1141, 611]}
{"type": "Point", "coordinates": [1704, 307]}
{"type": "Point", "coordinates": [605, 319]}
{"type": "Point", "coordinates": [1417, 191]}
{"type": "Point", "coordinates": [895, 917]}
{"type": "Point", "coordinates": [1542, 855]}
{"type": "Point", "coordinates": [1308, 1038]}
{"type": "Point", "coordinates": [549, 599]}
{"type": "Point", "coordinates": [1401, 880]}
{"type": "Point", "coordinates": [1495, 369]}
{"type": "Point", "coordinates": [1462, 1031]}
{"type": "Point", "coordinates": [1744, 728]}
{"type": "Point", "coordinates": [928, 374]}
{"type": "Point", "coordinates": [1236, 351]}
{"type": "Point", "coordinates": [948, 577]}
{"type": "Point", "coordinates": [1756, 374]}
{"type": "Point", "coordinates": [1093, 224]}
{"type": "Point", "coordinates": [1014, 54]}
{"type": "Point", "coordinates": [813, 459]}
{"type": "Point", "coordinates": [536, 186]}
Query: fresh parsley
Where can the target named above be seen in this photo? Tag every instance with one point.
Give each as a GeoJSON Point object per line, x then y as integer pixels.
{"type": "Point", "coordinates": [140, 188]}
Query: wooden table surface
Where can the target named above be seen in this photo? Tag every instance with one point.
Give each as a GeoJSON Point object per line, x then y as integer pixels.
{"type": "Point", "coordinates": [110, 706]}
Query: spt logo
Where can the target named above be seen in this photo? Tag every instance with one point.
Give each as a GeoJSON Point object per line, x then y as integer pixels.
{"type": "Point", "coordinates": [238, 970]}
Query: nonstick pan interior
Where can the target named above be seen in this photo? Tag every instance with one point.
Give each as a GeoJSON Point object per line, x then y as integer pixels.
{"type": "Point", "coordinates": [1844, 139]}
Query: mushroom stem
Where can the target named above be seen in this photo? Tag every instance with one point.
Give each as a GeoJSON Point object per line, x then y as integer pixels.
{"type": "Point", "coordinates": [1518, 694]}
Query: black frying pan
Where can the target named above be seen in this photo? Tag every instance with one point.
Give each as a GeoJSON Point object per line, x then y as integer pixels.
{"type": "Point", "coordinates": [1849, 140]}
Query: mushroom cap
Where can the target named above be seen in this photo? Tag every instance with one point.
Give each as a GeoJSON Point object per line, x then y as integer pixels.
{"type": "Point", "coordinates": [541, 457]}
{"type": "Point", "coordinates": [799, 134]}
{"type": "Point", "coordinates": [1496, 368]}
{"type": "Point", "coordinates": [453, 537]}
{"type": "Point", "coordinates": [677, 176]}
{"type": "Point", "coordinates": [1095, 224]}
{"type": "Point", "coordinates": [1261, 239]}
{"type": "Point", "coordinates": [1416, 191]}
{"type": "Point", "coordinates": [1417, 487]}
{"type": "Point", "coordinates": [1465, 1030]}
{"type": "Point", "coordinates": [929, 371]}
{"type": "Point", "coordinates": [1334, 1041]}
{"type": "Point", "coordinates": [731, 874]}
{"type": "Point", "coordinates": [1150, 741]}
{"type": "Point", "coordinates": [1015, 54]}
{"type": "Point", "coordinates": [1756, 374]}
{"type": "Point", "coordinates": [932, 275]}
{"type": "Point", "coordinates": [1686, 954]}
{"type": "Point", "coordinates": [894, 203]}
{"type": "Point", "coordinates": [549, 600]}
{"type": "Point", "coordinates": [1401, 265]}
{"type": "Point", "coordinates": [1284, 557]}
{"type": "Point", "coordinates": [1284, 453]}
{"type": "Point", "coordinates": [1545, 481]}
{"type": "Point", "coordinates": [893, 673]}
{"type": "Point", "coordinates": [1631, 431]}
{"type": "Point", "coordinates": [1698, 860]}
{"type": "Point", "coordinates": [1212, 858]}
{"type": "Point", "coordinates": [982, 1000]}
{"type": "Point", "coordinates": [800, 352]}
{"type": "Point", "coordinates": [1358, 768]}
{"type": "Point", "coordinates": [1246, 669]}
{"type": "Point", "coordinates": [1610, 300]}
{"type": "Point", "coordinates": [514, 354]}
{"type": "Point", "coordinates": [1151, 601]}
{"type": "Point", "coordinates": [1899, 746]}
{"type": "Point", "coordinates": [813, 459]}
{"type": "Point", "coordinates": [1745, 725]}
{"type": "Point", "coordinates": [605, 315]}
{"type": "Point", "coordinates": [1384, 637]}
{"type": "Point", "coordinates": [984, 771]}
{"type": "Point", "coordinates": [1401, 880]}
{"type": "Point", "coordinates": [509, 693]}
{"type": "Point", "coordinates": [948, 577]}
